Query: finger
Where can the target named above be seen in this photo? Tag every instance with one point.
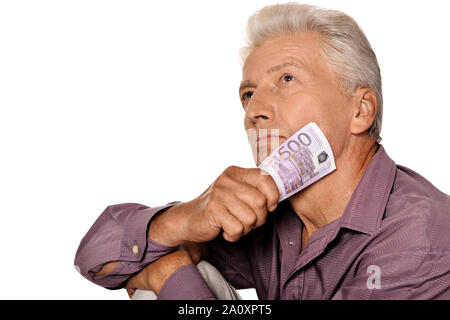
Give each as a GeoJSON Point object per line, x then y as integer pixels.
{"type": "Point", "coordinates": [241, 211]}
{"type": "Point", "coordinates": [139, 280]}
{"type": "Point", "coordinates": [194, 251]}
{"type": "Point", "coordinates": [232, 227]}
{"type": "Point", "coordinates": [131, 283]}
{"type": "Point", "coordinates": [268, 186]}
{"type": "Point", "coordinates": [260, 180]}
{"type": "Point", "coordinates": [131, 292]}
{"type": "Point", "coordinates": [251, 197]}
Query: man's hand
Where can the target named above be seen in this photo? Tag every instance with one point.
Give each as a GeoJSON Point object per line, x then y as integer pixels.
{"type": "Point", "coordinates": [236, 202]}
{"type": "Point", "coordinates": [153, 276]}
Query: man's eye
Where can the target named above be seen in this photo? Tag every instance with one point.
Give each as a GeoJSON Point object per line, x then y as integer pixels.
{"type": "Point", "coordinates": [246, 95]}
{"type": "Point", "coordinates": [287, 78]}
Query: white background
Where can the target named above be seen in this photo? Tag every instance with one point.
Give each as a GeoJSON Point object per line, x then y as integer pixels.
{"type": "Point", "coordinates": [104, 102]}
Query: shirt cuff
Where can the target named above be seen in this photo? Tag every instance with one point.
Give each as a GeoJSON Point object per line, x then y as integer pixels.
{"type": "Point", "coordinates": [186, 284]}
{"type": "Point", "coordinates": [135, 240]}
{"type": "Point", "coordinates": [136, 251]}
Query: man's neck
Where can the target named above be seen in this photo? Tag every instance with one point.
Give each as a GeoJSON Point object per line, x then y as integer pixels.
{"type": "Point", "coordinates": [325, 200]}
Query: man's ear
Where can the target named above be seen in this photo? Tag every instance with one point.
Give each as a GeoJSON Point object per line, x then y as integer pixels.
{"type": "Point", "coordinates": [366, 106]}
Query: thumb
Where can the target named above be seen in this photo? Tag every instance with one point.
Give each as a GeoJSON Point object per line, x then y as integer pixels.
{"type": "Point", "coordinates": [130, 292]}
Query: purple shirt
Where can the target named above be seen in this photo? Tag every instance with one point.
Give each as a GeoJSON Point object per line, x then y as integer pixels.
{"type": "Point", "coordinates": [392, 242]}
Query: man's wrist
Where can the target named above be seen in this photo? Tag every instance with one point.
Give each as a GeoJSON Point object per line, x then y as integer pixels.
{"type": "Point", "coordinates": [166, 227]}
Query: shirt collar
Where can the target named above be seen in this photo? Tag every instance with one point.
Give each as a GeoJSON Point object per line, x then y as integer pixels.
{"type": "Point", "coordinates": [366, 207]}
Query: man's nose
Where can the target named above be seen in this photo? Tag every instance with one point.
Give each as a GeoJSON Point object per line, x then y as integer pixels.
{"type": "Point", "coordinates": [260, 110]}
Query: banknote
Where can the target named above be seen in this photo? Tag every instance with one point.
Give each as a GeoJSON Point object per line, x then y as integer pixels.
{"type": "Point", "coordinates": [300, 161]}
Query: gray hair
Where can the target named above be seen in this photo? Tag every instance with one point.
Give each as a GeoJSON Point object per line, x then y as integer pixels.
{"type": "Point", "coordinates": [346, 49]}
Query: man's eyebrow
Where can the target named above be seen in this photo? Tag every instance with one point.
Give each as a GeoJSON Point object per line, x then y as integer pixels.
{"type": "Point", "coordinates": [248, 84]}
{"type": "Point", "coordinates": [283, 65]}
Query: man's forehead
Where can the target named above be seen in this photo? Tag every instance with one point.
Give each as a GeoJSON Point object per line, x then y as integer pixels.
{"type": "Point", "coordinates": [272, 61]}
{"type": "Point", "coordinates": [302, 51]}
{"type": "Point", "coordinates": [302, 48]}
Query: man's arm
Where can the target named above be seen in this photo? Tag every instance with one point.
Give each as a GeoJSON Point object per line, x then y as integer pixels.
{"type": "Point", "coordinates": [236, 202]}
{"type": "Point", "coordinates": [230, 258]}
{"type": "Point", "coordinates": [176, 273]}
{"type": "Point", "coordinates": [117, 246]}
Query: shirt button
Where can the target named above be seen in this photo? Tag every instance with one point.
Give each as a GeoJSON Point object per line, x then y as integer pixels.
{"type": "Point", "coordinates": [291, 243]}
{"type": "Point", "coordinates": [135, 249]}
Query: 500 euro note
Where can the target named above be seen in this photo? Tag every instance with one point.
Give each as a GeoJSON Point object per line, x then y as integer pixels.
{"type": "Point", "coordinates": [300, 161]}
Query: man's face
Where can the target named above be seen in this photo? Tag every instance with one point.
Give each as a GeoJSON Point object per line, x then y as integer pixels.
{"type": "Point", "coordinates": [290, 86]}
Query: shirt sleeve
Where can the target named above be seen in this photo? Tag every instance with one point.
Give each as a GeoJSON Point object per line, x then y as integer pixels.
{"type": "Point", "coordinates": [407, 275]}
{"type": "Point", "coordinates": [229, 258]}
{"type": "Point", "coordinates": [186, 284]}
{"type": "Point", "coordinates": [119, 234]}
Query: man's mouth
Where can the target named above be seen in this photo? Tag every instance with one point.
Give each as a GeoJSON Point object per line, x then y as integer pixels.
{"type": "Point", "coordinates": [269, 139]}
{"type": "Point", "coordinates": [263, 142]}
{"type": "Point", "coordinates": [265, 145]}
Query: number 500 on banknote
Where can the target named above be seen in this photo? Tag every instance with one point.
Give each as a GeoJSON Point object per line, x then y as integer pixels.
{"type": "Point", "coordinates": [300, 161]}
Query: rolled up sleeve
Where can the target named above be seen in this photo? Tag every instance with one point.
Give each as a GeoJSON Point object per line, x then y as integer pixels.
{"type": "Point", "coordinates": [119, 234]}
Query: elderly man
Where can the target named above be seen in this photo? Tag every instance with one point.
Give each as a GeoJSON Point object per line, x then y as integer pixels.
{"type": "Point", "coordinates": [371, 229]}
